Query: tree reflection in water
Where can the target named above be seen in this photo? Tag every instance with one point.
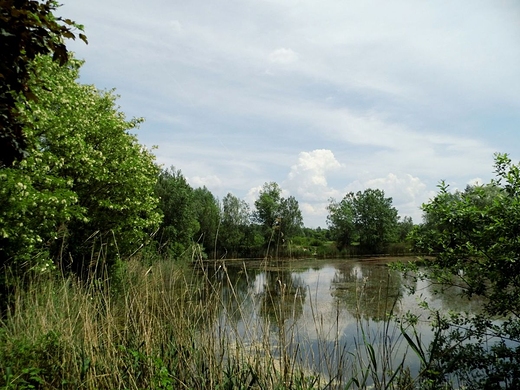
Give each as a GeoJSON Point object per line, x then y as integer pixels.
{"type": "Point", "coordinates": [320, 313]}
{"type": "Point", "coordinates": [367, 290]}
{"type": "Point", "coordinates": [277, 295]}
{"type": "Point", "coordinates": [236, 291]}
{"type": "Point", "coordinates": [282, 297]}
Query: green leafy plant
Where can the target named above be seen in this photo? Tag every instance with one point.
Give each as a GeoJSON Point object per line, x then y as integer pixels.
{"type": "Point", "coordinates": [86, 189]}
{"type": "Point", "coordinates": [472, 239]}
{"type": "Point", "coordinates": [29, 365]}
{"type": "Point", "coordinates": [28, 28]}
{"type": "Point", "coordinates": [365, 216]}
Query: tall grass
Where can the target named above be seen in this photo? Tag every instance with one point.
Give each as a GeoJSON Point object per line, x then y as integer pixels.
{"type": "Point", "coordinates": [161, 326]}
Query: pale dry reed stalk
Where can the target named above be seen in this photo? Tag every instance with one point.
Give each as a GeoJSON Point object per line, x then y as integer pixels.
{"type": "Point", "coordinates": [164, 326]}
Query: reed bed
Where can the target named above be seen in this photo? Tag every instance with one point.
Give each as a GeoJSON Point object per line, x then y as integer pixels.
{"type": "Point", "coordinates": [161, 326]}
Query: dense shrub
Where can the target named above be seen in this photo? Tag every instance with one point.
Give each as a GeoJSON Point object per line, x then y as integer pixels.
{"type": "Point", "coordinates": [86, 188]}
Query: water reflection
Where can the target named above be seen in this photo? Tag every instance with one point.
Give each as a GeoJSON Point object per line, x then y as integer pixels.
{"type": "Point", "coordinates": [235, 285]}
{"type": "Point", "coordinates": [316, 308]}
{"type": "Point", "coordinates": [367, 290]}
{"type": "Point", "coordinates": [449, 298]}
{"type": "Point", "coordinates": [317, 291]}
{"type": "Point", "coordinates": [282, 296]}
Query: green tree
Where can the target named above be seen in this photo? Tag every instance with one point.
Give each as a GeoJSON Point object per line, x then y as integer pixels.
{"type": "Point", "coordinates": [340, 221]}
{"type": "Point", "coordinates": [316, 237]}
{"type": "Point", "coordinates": [279, 218]}
{"type": "Point", "coordinates": [366, 216]}
{"type": "Point", "coordinates": [176, 201]}
{"type": "Point", "coordinates": [477, 232]}
{"type": "Point", "coordinates": [291, 220]}
{"type": "Point", "coordinates": [267, 208]}
{"type": "Point", "coordinates": [404, 228]}
{"type": "Point", "coordinates": [235, 225]}
{"type": "Point", "coordinates": [376, 219]}
{"type": "Point", "coordinates": [28, 28]}
{"type": "Point", "coordinates": [85, 191]}
{"type": "Point", "coordinates": [207, 214]}
{"type": "Point", "coordinates": [473, 238]}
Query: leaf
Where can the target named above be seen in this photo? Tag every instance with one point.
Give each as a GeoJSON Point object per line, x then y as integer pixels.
{"type": "Point", "coordinates": [60, 54]}
{"type": "Point", "coordinates": [30, 96]}
{"type": "Point", "coordinates": [68, 34]}
{"type": "Point", "coordinates": [417, 348]}
{"type": "Point", "coordinates": [83, 37]}
{"type": "Point", "coordinates": [372, 355]}
{"type": "Point", "coordinates": [5, 33]}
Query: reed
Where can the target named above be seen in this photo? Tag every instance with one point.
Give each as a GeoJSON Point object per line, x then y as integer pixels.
{"type": "Point", "coordinates": [161, 325]}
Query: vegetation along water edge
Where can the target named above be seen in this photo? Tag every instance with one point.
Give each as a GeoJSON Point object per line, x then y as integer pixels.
{"type": "Point", "coordinates": [116, 272]}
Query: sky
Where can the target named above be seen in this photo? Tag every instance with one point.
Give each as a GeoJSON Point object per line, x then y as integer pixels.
{"type": "Point", "coordinates": [323, 97]}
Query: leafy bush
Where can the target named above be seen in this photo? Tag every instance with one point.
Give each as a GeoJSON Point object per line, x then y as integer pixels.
{"type": "Point", "coordinates": [28, 365]}
{"type": "Point", "coordinates": [86, 186]}
{"type": "Point", "coordinates": [472, 238]}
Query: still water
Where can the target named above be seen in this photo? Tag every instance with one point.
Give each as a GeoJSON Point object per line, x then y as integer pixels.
{"type": "Point", "coordinates": [321, 312]}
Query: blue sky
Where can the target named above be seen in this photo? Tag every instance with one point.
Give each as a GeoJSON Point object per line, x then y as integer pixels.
{"type": "Point", "coordinates": [323, 97]}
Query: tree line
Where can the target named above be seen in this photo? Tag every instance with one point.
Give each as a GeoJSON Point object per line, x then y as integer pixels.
{"type": "Point", "coordinates": [273, 227]}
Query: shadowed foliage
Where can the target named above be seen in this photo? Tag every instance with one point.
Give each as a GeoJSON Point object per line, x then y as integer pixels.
{"type": "Point", "coordinates": [28, 28]}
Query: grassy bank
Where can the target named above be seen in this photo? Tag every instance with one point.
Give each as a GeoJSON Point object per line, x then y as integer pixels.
{"type": "Point", "coordinates": [157, 327]}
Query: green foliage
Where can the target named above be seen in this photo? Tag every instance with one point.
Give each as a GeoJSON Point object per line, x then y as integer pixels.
{"type": "Point", "coordinates": [176, 201]}
{"type": "Point", "coordinates": [28, 28]}
{"type": "Point", "coordinates": [475, 234]}
{"type": "Point", "coordinates": [86, 187]}
{"type": "Point", "coordinates": [366, 216]}
{"type": "Point", "coordinates": [473, 238]}
{"type": "Point", "coordinates": [267, 205]}
{"type": "Point", "coordinates": [341, 221]}
{"type": "Point", "coordinates": [207, 214]}
{"type": "Point", "coordinates": [404, 228]}
{"type": "Point", "coordinates": [291, 220]}
{"type": "Point", "coordinates": [136, 364]}
{"type": "Point", "coordinates": [32, 365]}
{"type": "Point", "coordinates": [235, 225]}
{"type": "Point", "coordinates": [280, 218]}
{"type": "Point", "coordinates": [317, 235]}
{"type": "Point", "coordinates": [376, 219]}
{"type": "Point", "coordinates": [313, 242]}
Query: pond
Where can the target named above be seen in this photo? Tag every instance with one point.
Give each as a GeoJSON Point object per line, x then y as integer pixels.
{"type": "Point", "coordinates": [323, 314]}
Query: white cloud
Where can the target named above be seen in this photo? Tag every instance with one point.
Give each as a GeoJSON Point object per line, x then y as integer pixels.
{"type": "Point", "coordinates": [252, 195]}
{"type": "Point", "coordinates": [307, 180]}
{"type": "Point", "coordinates": [314, 210]}
{"type": "Point", "coordinates": [283, 56]}
{"type": "Point", "coordinates": [477, 181]}
{"type": "Point", "coordinates": [308, 177]}
{"type": "Point", "coordinates": [211, 181]}
{"type": "Point", "coordinates": [405, 186]}
{"type": "Point", "coordinates": [176, 26]}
